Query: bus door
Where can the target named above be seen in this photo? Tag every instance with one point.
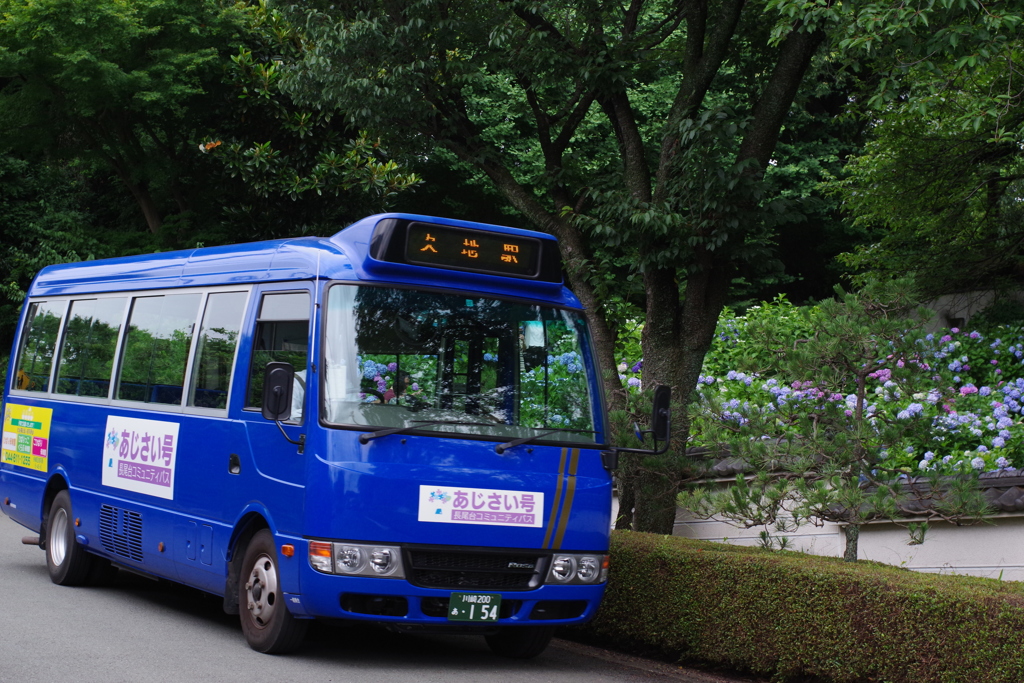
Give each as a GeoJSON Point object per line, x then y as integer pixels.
{"type": "Point", "coordinates": [281, 332]}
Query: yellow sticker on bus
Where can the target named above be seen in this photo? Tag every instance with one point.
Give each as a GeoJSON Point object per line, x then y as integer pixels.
{"type": "Point", "coordinates": [26, 436]}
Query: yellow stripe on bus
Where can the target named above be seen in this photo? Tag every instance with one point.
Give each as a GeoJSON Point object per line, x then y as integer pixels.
{"type": "Point", "coordinates": [556, 501]}
{"type": "Point", "coordinates": [570, 492]}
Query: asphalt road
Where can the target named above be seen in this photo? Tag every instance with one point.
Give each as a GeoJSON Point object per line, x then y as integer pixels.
{"type": "Point", "coordinates": [138, 630]}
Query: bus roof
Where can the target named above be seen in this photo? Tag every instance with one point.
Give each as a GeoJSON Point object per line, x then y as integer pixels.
{"type": "Point", "coordinates": [346, 255]}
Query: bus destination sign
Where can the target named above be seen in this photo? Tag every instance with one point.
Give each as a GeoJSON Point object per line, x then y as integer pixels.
{"type": "Point", "coordinates": [464, 249]}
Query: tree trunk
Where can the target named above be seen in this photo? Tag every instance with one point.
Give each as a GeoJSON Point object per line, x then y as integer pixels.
{"type": "Point", "coordinates": [627, 492]}
{"type": "Point", "coordinates": [145, 201]}
{"type": "Point", "coordinates": [675, 340]}
{"type": "Point", "coordinates": [852, 532]}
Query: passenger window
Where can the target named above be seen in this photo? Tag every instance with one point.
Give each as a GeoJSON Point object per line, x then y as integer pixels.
{"type": "Point", "coordinates": [282, 334]}
{"type": "Point", "coordinates": [156, 348]}
{"type": "Point", "coordinates": [87, 353]}
{"type": "Point", "coordinates": [215, 351]}
{"type": "Point", "coordinates": [39, 342]}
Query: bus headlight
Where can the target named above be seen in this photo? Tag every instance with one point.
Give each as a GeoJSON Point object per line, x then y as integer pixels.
{"type": "Point", "coordinates": [356, 559]}
{"type": "Point", "coordinates": [349, 559]}
{"type": "Point", "coordinates": [568, 569]}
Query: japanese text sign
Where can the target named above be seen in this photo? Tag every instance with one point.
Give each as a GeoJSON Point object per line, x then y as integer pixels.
{"type": "Point", "coordinates": [140, 455]}
{"type": "Point", "coordinates": [464, 505]}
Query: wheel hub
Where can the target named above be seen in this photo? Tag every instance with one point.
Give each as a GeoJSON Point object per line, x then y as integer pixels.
{"type": "Point", "coordinates": [261, 591]}
{"type": "Point", "coordinates": [57, 543]}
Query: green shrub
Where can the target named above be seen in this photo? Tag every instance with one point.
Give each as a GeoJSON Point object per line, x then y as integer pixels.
{"type": "Point", "coordinates": [790, 615]}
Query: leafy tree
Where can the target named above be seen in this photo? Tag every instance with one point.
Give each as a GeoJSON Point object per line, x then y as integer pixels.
{"type": "Point", "coordinates": [42, 221]}
{"type": "Point", "coordinates": [127, 91]}
{"type": "Point", "coordinates": [693, 96]}
{"type": "Point", "coordinates": [121, 83]}
{"type": "Point", "coordinates": [293, 163]}
{"type": "Point", "coordinates": [938, 184]}
{"type": "Point", "coordinates": [943, 202]}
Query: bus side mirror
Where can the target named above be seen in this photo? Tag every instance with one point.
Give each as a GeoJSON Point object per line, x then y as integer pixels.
{"type": "Point", "coordinates": [662, 412]}
{"type": "Point", "coordinates": [661, 418]}
{"type": "Point", "coordinates": [277, 391]}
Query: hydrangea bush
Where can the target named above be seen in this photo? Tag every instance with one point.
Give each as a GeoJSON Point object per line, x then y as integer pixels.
{"type": "Point", "coordinates": [955, 404]}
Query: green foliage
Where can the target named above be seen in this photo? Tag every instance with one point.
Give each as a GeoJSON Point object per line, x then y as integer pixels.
{"type": "Point", "coordinates": [926, 52]}
{"type": "Point", "coordinates": [1001, 313]}
{"type": "Point", "coordinates": [780, 326]}
{"type": "Point", "coordinates": [792, 616]}
{"type": "Point", "coordinates": [938, 184]}
{"type": "Point", "coordinates": [295, 162]}
{"type": "Point", "coordinates": [942, 202]}
{"type": "Point", "coordinates": [42, 222]}
{"type": "Point", "coordinates": [123, 84]}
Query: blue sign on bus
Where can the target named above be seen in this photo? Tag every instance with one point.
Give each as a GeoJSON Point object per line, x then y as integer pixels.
{"type": "Point", "coordinates": [401, 423]}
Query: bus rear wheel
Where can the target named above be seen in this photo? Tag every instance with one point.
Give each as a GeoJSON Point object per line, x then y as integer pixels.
{"type": "Point", "coordinates": [266, 622]}
{"type": "Point", "coordinates": [66, 560]}
{"type": "Point", "coordinates": [520, 642]}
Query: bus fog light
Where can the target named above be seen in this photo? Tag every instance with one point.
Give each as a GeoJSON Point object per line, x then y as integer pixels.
{"type": "Point", "coordinates": [589, 569]}
{"type": "Point", "coordinates": [349, 559]}
{"type": "Point", "coordinates": [320, 556]}
{"type": "Point", "coordinates": [563, 568]}
{"type": "Point", "coordinates": [384, 561]}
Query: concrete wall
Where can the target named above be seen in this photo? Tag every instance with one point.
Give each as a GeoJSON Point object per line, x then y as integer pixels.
{"type": "Point", "coordinates": [955, 310]}
{"type": "Point", "coordinates": [990, 550]}
{"type": "Point", "coordinates": [824, 540]}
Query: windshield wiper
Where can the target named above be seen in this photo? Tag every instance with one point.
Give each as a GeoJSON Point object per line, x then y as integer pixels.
{"type": "Point", "coordinates": [502, 447]}
{"type": "Point", "coordinates": [418, 424]}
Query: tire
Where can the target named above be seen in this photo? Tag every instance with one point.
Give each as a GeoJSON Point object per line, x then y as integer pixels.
{"type": "Point", "coordinates": [266, 622]}
{"type": "Point", "coordinates": [66, 560]}
{"type": "Point", "coordinates": [520, 642]}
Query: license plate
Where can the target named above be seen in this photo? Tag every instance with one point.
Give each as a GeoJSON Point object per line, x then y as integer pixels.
{"type": "Point", "coordinates": [474, 607]}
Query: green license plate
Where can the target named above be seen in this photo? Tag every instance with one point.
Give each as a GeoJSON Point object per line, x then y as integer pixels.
{"type": "Point", "coordinates": [474, 607]}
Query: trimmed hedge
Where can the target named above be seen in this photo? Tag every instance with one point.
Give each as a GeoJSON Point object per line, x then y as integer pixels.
{"type": "Point", "coordinates": [793, 615]}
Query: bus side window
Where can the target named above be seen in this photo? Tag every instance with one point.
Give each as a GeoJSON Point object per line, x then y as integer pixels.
{"type": "Point", "coordinates": [39, 342]}
{"type": "Point", "coordinates": [282, 334]}
{"type": "Point", "coordinates": [156, 348]}
{"type": "Point", "coordinates": [87, 352]}
{"type": "Point", "coordinates": [215, 353]}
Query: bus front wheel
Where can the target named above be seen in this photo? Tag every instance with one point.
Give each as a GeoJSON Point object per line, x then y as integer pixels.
{"type": "Point", "coordinates": [66, 560]}
{"type": "Point", "coordinates": [266, 622]}
{"type": "Point", "coordinates": [520, 642]}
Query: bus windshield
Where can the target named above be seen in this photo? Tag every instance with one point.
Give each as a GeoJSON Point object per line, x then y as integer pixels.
{"type": "Point", "coordinates": [456, 364]}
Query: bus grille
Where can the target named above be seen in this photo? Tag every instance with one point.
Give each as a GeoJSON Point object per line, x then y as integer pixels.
{"type": "Point", "coordinates": [121, 532]}
{"type": "Point", "coordinates": [438, 569]}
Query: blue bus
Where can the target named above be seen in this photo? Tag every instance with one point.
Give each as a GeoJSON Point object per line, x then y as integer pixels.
{"type": "Point", "coordinates": [399, 424]}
